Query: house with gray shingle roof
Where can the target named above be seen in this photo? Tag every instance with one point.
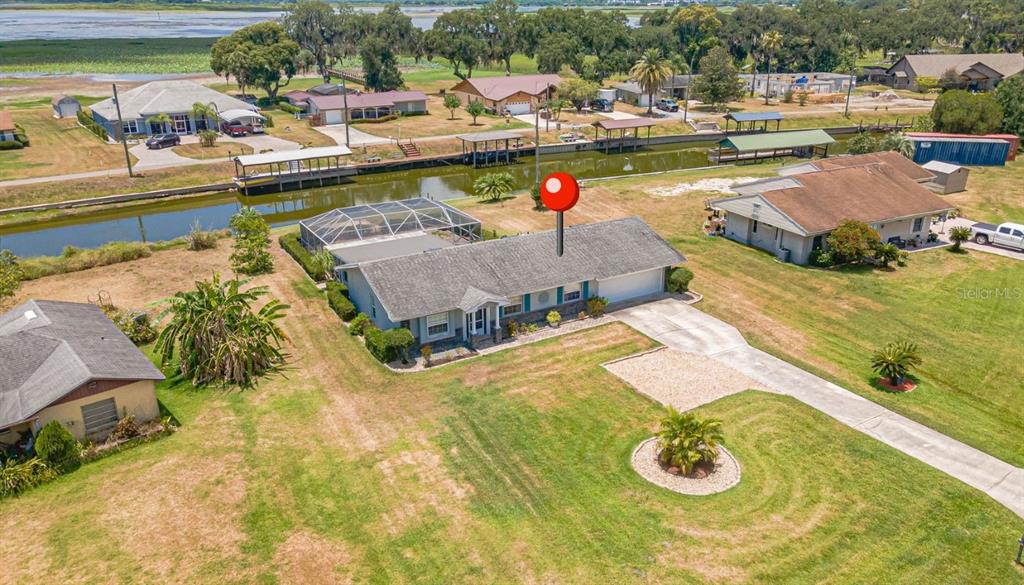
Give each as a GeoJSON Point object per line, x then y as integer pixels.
{"type": "Point", "coordinates": [447, 292]}
{"type": "Point", "coordinates": [977, 71]}
{"type": "Point", "coordinates": [68, 362]}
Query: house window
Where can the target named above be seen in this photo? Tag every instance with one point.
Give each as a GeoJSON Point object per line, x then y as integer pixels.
{"type": "Point", "coordinates": [404, 325]}
{"type": "Point", "coordinates": [131, 127]}
{"type": "Point", "coordinates": [571, 293]}
{"type": "Point", "coordinates": [373, 310]}
{"type": "Point", "coordinates": [918, 224]}
{"type": "Point", "coordinates": [514, 307]}
{"type": "Point", "coordinates": [437, 324]}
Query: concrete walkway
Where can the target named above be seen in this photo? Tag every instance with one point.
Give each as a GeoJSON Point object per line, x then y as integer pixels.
{"type": "Point", "coordinates": [684, 328]}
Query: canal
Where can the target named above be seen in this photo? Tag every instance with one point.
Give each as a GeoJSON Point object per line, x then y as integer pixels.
{"type": "Point", "coordinates": [166, 220]}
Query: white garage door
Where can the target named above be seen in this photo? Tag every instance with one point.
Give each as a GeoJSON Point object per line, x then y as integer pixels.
{"type": "Point", "coordinates": [630, 286]}
{"type": "Point", "coordinates": [518, 108]}
{"type": "Point", "coordinates": [332, 117]}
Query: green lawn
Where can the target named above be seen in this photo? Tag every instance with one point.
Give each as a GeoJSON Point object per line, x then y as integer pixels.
{"type": "Point", "coordinates": [508, 468]}
{"type": "Point", "coordinates": [184, 55]}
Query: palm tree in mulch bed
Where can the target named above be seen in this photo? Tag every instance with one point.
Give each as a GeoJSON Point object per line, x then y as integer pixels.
{"type": "Point", "coordinates": [687, 442]}
{"type": "Point", "coordinates": [894, 363]}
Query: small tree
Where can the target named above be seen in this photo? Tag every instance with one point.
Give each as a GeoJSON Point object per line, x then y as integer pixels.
{"type": "Point", "coordinates": [452, 103]}
{"type": "Point", "coordinates": [323, 264]}
{"type": "Point", "coordinates": [252, 242]}
{"type": "Point", "coordinates": [852, 241]}
{"type": "Point", "coordinates": [57, 448]}
{"type": "Point", "coordinates": [685, 440]}
{"type": "Point", "coordinates": [11, 275]}
{"type": "Point", "coordinates": [958, 235]}
{"type": "Point", "coordinates": [578, 91]}
{"type": "Point", "coordinates": [475, 108]}
{"type": "Point", "coordinates": [1010, 95]}
{"type": "Point", "coordinates": [862, 143]}
{"type": "Point", "coordinates": [895, 361]}
{"type": "Point", "coordinates": [719, 83]}
{"type": "Point", "coordinates": [494, 186]}
{"type": "Point", "coordinates": [207, 138]}
{"type": "Point", "coordinates": [897, 142]}
{"type": "Point", "coordinates": [962, 112]}
{"type": "Point", "coordinates": [886, 253]}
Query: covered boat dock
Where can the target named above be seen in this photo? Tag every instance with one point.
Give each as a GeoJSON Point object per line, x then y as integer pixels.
{"type": "Point", "coordinates": [499, 147]}
{"type": "Point", "coordinates": [309, 165]}
{"type": "Point", "coordinates": [753, 120]}
{"type": "Point", "coordinates": [754, 147]}
{"type": "Point", "coordinates": [628, 129]}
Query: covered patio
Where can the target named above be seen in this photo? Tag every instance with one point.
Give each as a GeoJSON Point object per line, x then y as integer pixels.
{"type": "Point", "coordinates": [293, 166]}
{"type": "Point", "coordinates": [754, 147]}
{"type": "Point", "coordinates": [490, 148]}
{"type": "Point", "coordinates": [628, 129]}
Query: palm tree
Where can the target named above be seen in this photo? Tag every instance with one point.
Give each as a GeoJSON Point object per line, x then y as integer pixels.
{"type": "Point", "coordinates": [651, 71]}
{"type": "Point", "coordinates": [886, 253]}
{"type": "Point", "coordinates": [206, 112]}
{"type": "Point", "coordinates": [217, 337]}
{"type": "Point", "coordinates": [895, 360]}
{"type": "Point", "coordinates": [162, 119]}
{"type": "Point", "coordinates": [323, 264]}
{"type": "Point", "coordinates": [685, 440]}
{"type": "Point", "coordinates": [494, 186]}
{"type": "Point", "coordinates": [772, 42]}
{"type": "Point", "coordinates": [958, 236]}
{"type": "Point", "coordinates": [897, 142]}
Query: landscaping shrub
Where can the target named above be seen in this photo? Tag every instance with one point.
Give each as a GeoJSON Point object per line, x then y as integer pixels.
{"type": "Point", "coordinates": [389, 345]}
{"type": "Point", "coordinates": [198, 239]}
{"type": "Point", "coordinates": [57, 448]}
{"type": "Point", "coordinates": [11, 274]}
{"type": "Point", "coordinates": [17, 477]}
{"type": "Point", "coordinates": [20, 135]}
{"type": "Point", "coordinates": [678, 280]}
{"type": "Point", "coordinates": [286, 107]}
{"type": "Point", "coordinates": [685, 440]}
{"type": "Point", "coordinates": [821, 257]}
{"type": "Point", "coordinates": [91, 125]}
{"type": "Point", "coordinates": [554, 318]}
{"type": "Point", "coordinates": [427, 352]}
{"type": "Point", "coordinates": [958, 235]}
{"type": "Point", "coordinates": [136, 325]}
{"type": "Point", "coordinates": [596, 306]}
{"type": "Point", "coordinates": [11, 145]}
{"type": "Point", "coordinates": [896, 360]}
{"type": "Point", "coordinates": [852, 241]}
{"type": "Point", "coordinates": [252, 238]}
{"type": "Point", "coordinates": [359, 324]}
{"type": "Point", "coordinates": [126, 428]}
{"type": "Point", "coordinates": [339, 302]}
{"type": "Point", "coordinates": [293, 245]}
{"type": "Point", "coordinates": [387, 118]}
{"type": "Point", "coordinates": [207, 138]}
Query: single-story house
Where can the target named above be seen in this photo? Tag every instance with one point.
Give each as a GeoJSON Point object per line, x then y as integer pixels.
{"type": "Point", "coordinates": [676, 86]}
{"type": "Point", "coordinates": [65, 106]}
{"type": "Point", "coordinates": [873, 74]}
{"type": "Point", "coordinates": [174, 97]}
{"type": "Point", "coordinates": [7, 127]}
{"type": "Point", "coordinates": [297, 98]}
{"type": "Point", "coordinates": [68, 362]}
{"type": "Point", "coordinates": [517, 94]}
{"type": "Point", "coordinates": [895, 160]}
{"type": "Point", "coordinates": [977, 71]}
{"type": "Point", "coordinates": [817, 82]}
{"type": "Point", "coordinates": [949, 178]}
{"type": "Point", "coordinates": [366, 106]}
{"type": "Point", "coordinates": [791, 216]}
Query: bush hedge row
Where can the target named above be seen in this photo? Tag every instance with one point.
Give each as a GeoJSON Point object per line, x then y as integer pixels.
{"type": "Point", "coordinates": [339, 302]}
{"type": "Point", "coordinates": [286, 107]}
{"type": "Point", "coordinates": [359, 324]}
{"type": "Point", "coordinates": [388, 345]}
{"type": "Point", "coordinates": [91, 125]}
{"type": "Point", "coordinates": [291, 244]}
{"type": "Point", "coordinates": [11, 145]}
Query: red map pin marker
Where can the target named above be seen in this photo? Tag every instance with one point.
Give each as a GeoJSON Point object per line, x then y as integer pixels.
{"type": "Point", "coordinates": [559, 192]}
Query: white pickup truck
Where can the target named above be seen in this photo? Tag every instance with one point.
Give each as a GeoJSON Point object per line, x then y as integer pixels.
{"type": "Point", "coordinates": [1009, 235]}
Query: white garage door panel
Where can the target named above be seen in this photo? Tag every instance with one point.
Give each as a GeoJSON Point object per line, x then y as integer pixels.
{"type": "Point", "coordinates": [517, 108]}
{"type": "Point", "coordinates": [630, 286]}
{"type": "Point", "coordinates": [333, 117]}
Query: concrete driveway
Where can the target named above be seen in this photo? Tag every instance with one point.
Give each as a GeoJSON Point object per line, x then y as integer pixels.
{"type": "Point", "coordinates": [987, 248]}
{"type": "Point", "coordinates": [356, 137]}
{"type": "Point", "coordinates": [263, 142]}
{"type": "Point", "coordinates": [682, 327]}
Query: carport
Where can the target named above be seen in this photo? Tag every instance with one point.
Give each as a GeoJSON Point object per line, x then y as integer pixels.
{"type": "Point", "coordinates": [622, 126]}
{"type": "Point", "coordinates": [488, 148]}
{"type": "Point", "coordinates": [752, 119]}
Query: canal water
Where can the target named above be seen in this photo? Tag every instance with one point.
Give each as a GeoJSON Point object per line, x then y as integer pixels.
{"type": "Point", "coordinates": [166, 220]}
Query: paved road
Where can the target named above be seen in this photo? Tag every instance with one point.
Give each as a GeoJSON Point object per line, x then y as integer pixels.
{"type": "Point", "coordinates": [682, 327]}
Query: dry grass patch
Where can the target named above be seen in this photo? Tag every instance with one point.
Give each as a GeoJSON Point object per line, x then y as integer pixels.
{"type": "Point", "coordinates": [222, 149]}
{"type": "Point", "coordinates": [309, 559]}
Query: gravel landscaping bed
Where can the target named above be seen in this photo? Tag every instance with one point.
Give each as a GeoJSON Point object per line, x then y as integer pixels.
{"type": "Point", "coordinates": [725, 475]}
{"type": "Point", "coordinates": [682, 380]}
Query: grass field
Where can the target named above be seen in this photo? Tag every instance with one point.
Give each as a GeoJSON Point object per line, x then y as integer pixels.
{"type": "Point", "coordinates": [221, 149]}
{"type": "Point", "coordinates": [139, 56]}
{"type": "Point", "coordinates": [832, 320]}
{"type": "Point", "coordinates": [509, 468]}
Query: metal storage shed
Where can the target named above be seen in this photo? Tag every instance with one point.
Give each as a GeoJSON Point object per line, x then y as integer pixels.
{"type": "Point", "coordinates": [959, 149]}
{"type": "Point", "coordinates": [949, 178]}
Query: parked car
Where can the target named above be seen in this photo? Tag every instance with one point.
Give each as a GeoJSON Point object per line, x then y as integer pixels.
{"type": "Point", "coordinates": [158, 141]}
{"type": "Point", "coordinates": [667, 105]}
{"type": "Point", "coordinates": [1009, 235]}
{"type": "Point", "coordinates": [235, 128]}
{"type": "Point", "coordinates": [256, 128]}
{"type": "Point", "coordinates": [602, 105]}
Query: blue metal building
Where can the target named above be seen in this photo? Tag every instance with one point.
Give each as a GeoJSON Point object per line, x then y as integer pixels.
{"type": "Point", "coordinates": [960, 150]}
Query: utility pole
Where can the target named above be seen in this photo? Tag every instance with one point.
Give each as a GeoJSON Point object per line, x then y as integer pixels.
{"type": "Point", "coordinates": [849, 90]}
{"type": "Point", "coordinates": [124, 139]}
{"type": "Point", "coordinates": [344, 101]}
{"type": "Point", "coordinates": [689, 82]}
{"type": "Point", "coordinates": [536, 150]}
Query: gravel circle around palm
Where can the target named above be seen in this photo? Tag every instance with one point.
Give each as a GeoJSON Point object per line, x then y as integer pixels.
{"type": "Point", "coordinates": [725, 475]}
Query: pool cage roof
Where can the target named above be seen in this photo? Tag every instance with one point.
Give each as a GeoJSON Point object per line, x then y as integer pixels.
{"type": "Point", "coordinates": [391, 218]}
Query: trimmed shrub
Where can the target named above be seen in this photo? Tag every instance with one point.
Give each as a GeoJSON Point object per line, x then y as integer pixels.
{"type": "Point", "coordinates": [852, 241]}
{"type": "Point", "coordinates": [678, 280]}
{"type": "Point", "coordinates": [286, 107]}
{"type": "Point", "coordinates": [91, 125]}
{"type": "Point", "coordinates": [359, 324]}
{"type": "Point", "coordinates": [126, 428]}
{"type": "Point", "coordinates": [11, 145]}
{"type": "Point", "coordinates": [293, 245]}
{"type": "Point", "coordinates": [339, 302]}
{"type": "Point", "coordinates": [596, 306]}
{"type": "Point", "coordinates": [387, 118]}
{"type": "Point", "coordinates": [389, 345]}
{"type": "Point", "coordinates": [554, 318]}
{"type": "Point", "coordinates": [57, 448]}
{"type": "Point", "coordinates": [822, 258]}
{"type": "Point", "coordinates": [17, 477]}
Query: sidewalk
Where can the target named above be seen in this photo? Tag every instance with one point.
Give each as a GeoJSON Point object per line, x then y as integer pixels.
{"type": "Point", "coordinates": [686, 329]}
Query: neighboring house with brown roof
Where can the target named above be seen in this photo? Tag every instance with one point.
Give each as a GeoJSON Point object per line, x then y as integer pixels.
{"type": "Point", "coordinates": [366, 106]}
{"type": "Point", "coordinates": [6, 126]}
{"type": "Point", "coordinates": [977, 71]}
{"type": "Point", "coordinates": [791, 216]}
{"type": "Point", "coordinates": [894, 159]}
{"type": "Point", "coordinates": [518, 94]}
{"type": "Point", "coordinates": [68, 362]}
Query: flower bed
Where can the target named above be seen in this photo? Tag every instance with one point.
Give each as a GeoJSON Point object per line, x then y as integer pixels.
{"type": "Point", "coordinates": [725, 474]}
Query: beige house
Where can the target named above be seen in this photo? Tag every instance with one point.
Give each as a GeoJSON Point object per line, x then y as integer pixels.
{"type": "Point", "coordinates": [516, 94]}
{"type": "Point", "coordinates": [792, 215]}
{"type": "Point", "coordinates": [977, 71]}
{"type": "Point", "coordinates": [366, 106]}
{"type": "Point", "coordinates": [68, 362]}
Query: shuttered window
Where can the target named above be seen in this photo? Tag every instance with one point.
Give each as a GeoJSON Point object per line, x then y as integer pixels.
{"type": "Point", "coordinates": [100, 417]}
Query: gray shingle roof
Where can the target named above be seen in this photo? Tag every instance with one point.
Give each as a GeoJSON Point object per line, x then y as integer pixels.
{"type": "Point", "coordinates": [171, 96]}
{"type": "Point", "coordinates": [49, 348]}
{"type": "Point", "coordinates": [1006, 64]}
{"type": "Point", "coordinates": [440, 280]}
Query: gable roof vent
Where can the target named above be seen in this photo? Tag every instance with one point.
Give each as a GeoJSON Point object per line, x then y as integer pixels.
{"type": "Point", "coordinates": [29, 315]}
